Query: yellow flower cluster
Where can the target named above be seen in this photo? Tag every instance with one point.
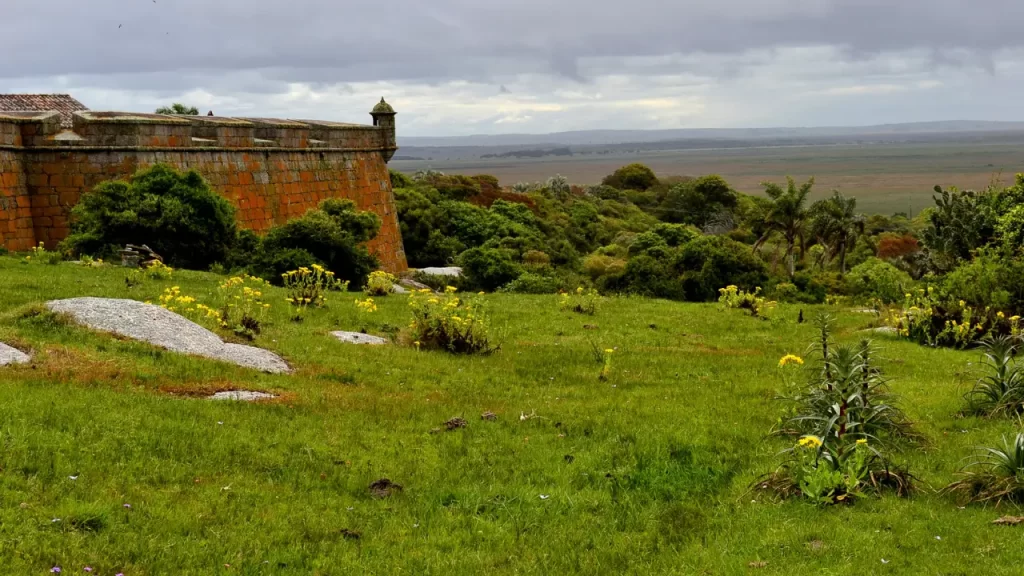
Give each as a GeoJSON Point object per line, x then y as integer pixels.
{"type": "Point", "coordinates": [447, 321]}
{"type": "Point", "coordinates": [366, 306]}
{"type": "Point", "coordinates": [309, 286]}
{"type": "Point", "coordinates": [172, 298]}
{"type": "Point", "coordinates": [379, 283]}
{"type": "Point", "coordinates": [810, 442]}
{"type": "Point", "coordinates": [157, 270]}
{"type": "Point", "coordinates": [790, 359]}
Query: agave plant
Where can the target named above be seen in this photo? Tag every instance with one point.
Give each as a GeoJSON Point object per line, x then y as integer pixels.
{"type": "Point", "coordinates": [1001, 390]}
{"type": "Point", "coordinates": [994, 475]}
{"type": "Point", "coordinates": [848, 399]}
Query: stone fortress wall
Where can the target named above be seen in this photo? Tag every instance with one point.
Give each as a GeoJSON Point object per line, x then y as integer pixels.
{"type": "Point", "coordinates": [270, 169]}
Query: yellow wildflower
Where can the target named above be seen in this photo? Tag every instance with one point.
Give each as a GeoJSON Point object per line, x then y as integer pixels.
{"type": "Point", "coordinates": [609, 350]}
{"type": "Point", "coordinates": [790, 359]}
{"type": "Point", "coordinates": [810, 441]}
{"type": "Point", "coordinates": [862, 441]}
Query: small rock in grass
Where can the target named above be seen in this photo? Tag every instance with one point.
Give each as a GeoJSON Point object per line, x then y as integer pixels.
{"type": "Point", "coordinates": [758, 564]}
{"type": "Point", "coordinates": [590, 326]}
{"type": "Point", "coordinates": [455, 424]}
{"type": "Point", "coordinates": [383, 488]}
{"type": "Point", "coordinates": [241, 395]}
{"type": "Point", "coordinates": [10, 355]}
{"type": "Point", "coordinates": [398, 289]}
{"type": "Point", "coordinates": [359, 338]}
{"type": "Point", "coordinates": [491, 416]}
{"type": "Point", "coordinates": [883, 330]}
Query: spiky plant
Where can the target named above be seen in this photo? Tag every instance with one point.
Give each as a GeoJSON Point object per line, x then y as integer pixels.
{"type": "Point", "coordinates": [1001, 390]}
{"type": "Point", "coordinates": [848, 399]}
{"type": "Point", "coordinates": [994, 475]}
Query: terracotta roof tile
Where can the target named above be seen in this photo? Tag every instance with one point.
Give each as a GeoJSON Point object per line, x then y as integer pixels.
{"type": "Point", "coordinates": [62, 103]}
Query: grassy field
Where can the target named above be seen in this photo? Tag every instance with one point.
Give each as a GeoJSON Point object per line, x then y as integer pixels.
{"type": "Point", "coordinates": [646, 473]}
{"type": "Point", "coordinates": [885, 178]}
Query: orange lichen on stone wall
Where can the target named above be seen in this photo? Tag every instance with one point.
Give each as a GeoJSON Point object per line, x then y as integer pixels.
{"type": "Point", "coordinates": [243, 160]}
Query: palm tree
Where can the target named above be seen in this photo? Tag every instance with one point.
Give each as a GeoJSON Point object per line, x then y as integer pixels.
{"type": "Point", "coordinates": [179, 109]}
{"type": "Point", "coordinates": [787, 216]}
{"type": "Point", "coordinates": [837, 225]}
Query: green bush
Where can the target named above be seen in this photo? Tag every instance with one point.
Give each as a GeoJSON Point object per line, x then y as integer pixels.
{"type": "Point", "coordinates": [646, 242]}
{"type": "Point", "coordinates": [632, 177]}
{"type": "Point", "coordinates": [645, 275]}
{"type": "Point", "coordinates": [878, 279]}
{"type": "Point", "coordinates": [531, 283]}
{"type": "Point", "coordinates": [333, 236]}
{"type": "Point", "coordinates": [992, 279]}
{"type": "Point", "coordinates": [176, 214]}
{"type": "Point", "coordinates": [710, 262]}
{"type": "Point", "coordinates": [399, 180]}
{"type": "Point", "coordinates": [490, 268]}
{"type": "Point", "coordinates": [676, 234]}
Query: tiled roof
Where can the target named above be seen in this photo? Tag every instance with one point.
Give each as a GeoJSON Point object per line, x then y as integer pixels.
{"type": "Point", "coordinates": [42, 103]}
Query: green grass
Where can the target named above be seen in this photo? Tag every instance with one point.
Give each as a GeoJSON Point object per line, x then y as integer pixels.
{"type": "Point", "coordinates": [646, 473]}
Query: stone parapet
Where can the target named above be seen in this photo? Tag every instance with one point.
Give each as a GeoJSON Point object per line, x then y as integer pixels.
{"type": "Point", "coordinates": [270, 169]}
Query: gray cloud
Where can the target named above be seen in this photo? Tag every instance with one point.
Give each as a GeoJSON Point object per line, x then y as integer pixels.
{"type": "Point", "coordinates": [562, 64]}
{"type": "Point", "coordinates": [413, 39]}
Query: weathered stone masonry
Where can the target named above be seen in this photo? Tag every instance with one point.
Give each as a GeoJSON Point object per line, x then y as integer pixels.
{"type": "Point", "coordinates": [272, 170]}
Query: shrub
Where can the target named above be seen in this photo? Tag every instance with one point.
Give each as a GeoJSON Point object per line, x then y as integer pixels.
{"type": "Point", "coordinates": [380, 283]}
{"type": "Point", "coordinates": [710, 262]}
{"type": "Point", "coordinates": [758, 306]}
{"type": "Point", "coordinates": [177, 214]}
{"type": "Point", "coordinates": [896, 245]}
{"type": "Point", "coordinates": [532, 283]}
{"type": "Point", "coordinates": [448, 322]}
{"type": "Point", "coordinates": [645, 275]}
{"type": "Point", "coordinates": [786, 292]}
{"type": "Point", "coordinates": [676, 234]}
{"type": "Point", "coordinates": [631, 177]}
{"type": "Point", "coordinates": [399, 180]}
{"type": "Point", "coordinates": [453, 186]}
{"type": "Point", "coordinates": [489, 268]}
{"type": "Point", "coordinates": [332, 236]}
{"type": "Point", "coordinates": [536, 259]}
{"type": "Point", "coordinates": [996, 474]}
{"type": "Point", "coordinates": [878, 279]}
{"type": "Point", "coordinates": [598, 265]}
{"type": "Point", "coordinates": [581, 301]}
{"type": "Point", "coordinates": [928, 318]}
{"type": "Point", "coordinates": [991, 279]}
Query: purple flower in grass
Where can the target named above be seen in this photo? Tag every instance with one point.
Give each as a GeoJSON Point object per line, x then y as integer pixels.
{"type": "Point", "coordinates": [55, 570]}
{"type": "Point", "coordinates": [87, 568]}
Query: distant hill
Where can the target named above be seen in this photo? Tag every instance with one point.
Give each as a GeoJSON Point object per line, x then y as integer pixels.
{"type": "Point", "coordinates": [606, 137]}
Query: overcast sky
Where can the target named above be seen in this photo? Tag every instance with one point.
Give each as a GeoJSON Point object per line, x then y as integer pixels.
{"type": "Point", "coordinates": [455, 67]}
